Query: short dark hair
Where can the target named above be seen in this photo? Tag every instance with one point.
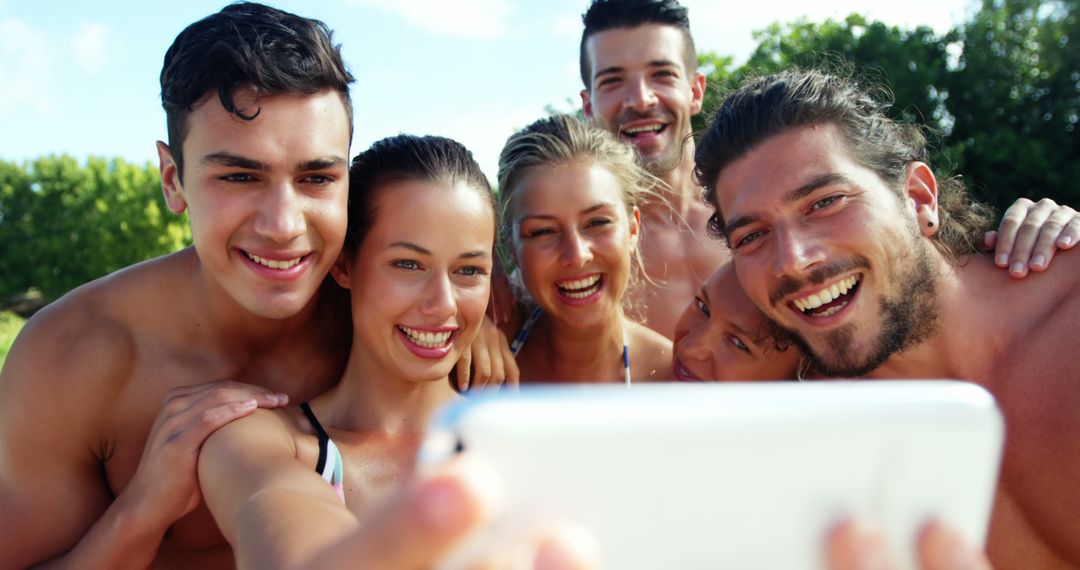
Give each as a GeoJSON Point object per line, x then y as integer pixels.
{"type": "Point", "coordinates": [247, 45]}
{"type": "Point", "coordinates": [767, 106]}
{"type": "Point", "coordinates": [604, 15]}
{"type": "Point", "coordinates": [433, 159]}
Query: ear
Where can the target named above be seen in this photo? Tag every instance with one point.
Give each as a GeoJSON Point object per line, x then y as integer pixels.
{"type": "Point", "coordinates": [586, 104]}
{"type": "Point", "coordinates": [170, 179]}
{"type": "Point", "coordinates": [635, 227]}
{"type": "Point", "coordinates": [697, 92]}
{"type": "Point", "coordinates": [340, 269]}
{"type": "Point", "coordinates": [921, 189]}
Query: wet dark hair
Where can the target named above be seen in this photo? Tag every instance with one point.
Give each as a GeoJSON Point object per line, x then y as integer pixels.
{"type": "Point", "coordinates": [433, 159]}
{"type": "Point", "coordinates": [247, 45]}
{"type": "Point", "coordinates": [604, 15]}
{"type": "Point", "coordinates": [767, 106]}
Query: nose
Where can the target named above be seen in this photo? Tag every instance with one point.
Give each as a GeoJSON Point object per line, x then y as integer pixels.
{"type": "Point", "coordinates": [697, 344]}
{"type": "Point", "coordinates": [439, 302]}
{"type": "Point", "coordinates": [280, 217]}
{"type": "Point", "coordinates": [575, 250]}
{"type": "Point", "coordinates": [640, 95]}
{"type": "Point", "coordinates": [797, 252]}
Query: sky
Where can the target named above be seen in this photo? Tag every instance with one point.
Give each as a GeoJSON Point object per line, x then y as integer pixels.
{"type": "Point", "coordinates": [82, 79]}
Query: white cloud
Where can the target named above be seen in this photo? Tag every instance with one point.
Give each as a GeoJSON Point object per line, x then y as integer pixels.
{"type": "Point", "coordinates": [480, 19]}
{"type": "Point", "coordinates": [24, 68]}
{"type": "Point", "coordinates": [89, 47]}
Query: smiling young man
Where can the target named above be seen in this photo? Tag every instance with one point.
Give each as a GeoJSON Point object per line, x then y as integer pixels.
{"type": "Point", "coordinates": [639, 67]}
{"type": "Point", "coordinates": [842, 234]}
{"type": "Point", "coordinates": [94, 470]}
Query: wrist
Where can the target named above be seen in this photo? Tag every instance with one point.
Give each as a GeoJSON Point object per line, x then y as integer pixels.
{"type": "Point", "coordinates": [136, 519]}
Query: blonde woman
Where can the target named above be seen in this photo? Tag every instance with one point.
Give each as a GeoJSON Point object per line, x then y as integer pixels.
{"type": "Point", "coordinates": [569, 198]}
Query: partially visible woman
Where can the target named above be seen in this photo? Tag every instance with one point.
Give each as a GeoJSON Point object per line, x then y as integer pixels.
{"type": "Point", "coordinates": [282, 484]}
{"type": "Point", "coordinates": [568, 195]}
{"type": "Point", "coordinates": [722, 335]}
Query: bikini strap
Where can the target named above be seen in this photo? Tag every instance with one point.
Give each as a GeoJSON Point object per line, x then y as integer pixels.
{"type": "Point", "coordinates": [324, 439]}
{"type": "Point", "coordinates": [526, 330]}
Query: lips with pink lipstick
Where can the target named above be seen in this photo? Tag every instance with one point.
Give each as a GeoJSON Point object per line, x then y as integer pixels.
{"type": "Point", "coordinates": [682, 373]}
{"type": "Point", "coordinates": [427, 342]}
{"type": "Point", "coordinates": [580, 289]}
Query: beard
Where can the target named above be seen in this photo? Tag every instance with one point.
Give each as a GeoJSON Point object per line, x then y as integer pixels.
{"type": "Point", "coordinates": [667, 161]}
{"type": "Point", "coordinates": [671, 156]}
{"type": "Point", "coordinates": [908, 317]}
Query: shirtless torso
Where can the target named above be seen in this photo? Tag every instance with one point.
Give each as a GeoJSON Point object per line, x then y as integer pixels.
{"type": "Point", "coordinates": [678, 256]}
{"type": "Point", "coordinates": [134, 335]}
{"type": "Point", "coordinates": [1023, 354]}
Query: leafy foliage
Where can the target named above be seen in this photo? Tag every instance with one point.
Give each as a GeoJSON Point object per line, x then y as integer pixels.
{"type": "Point", "coordinates": [63, 224]}
{"type": "Point", "coordinates": [1002, 90]}
{"type": "Point", "coordinates": [10, 324]}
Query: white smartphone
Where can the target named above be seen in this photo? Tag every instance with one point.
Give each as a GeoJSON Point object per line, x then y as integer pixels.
{"type": "Point", "coordinates": [730, 475]}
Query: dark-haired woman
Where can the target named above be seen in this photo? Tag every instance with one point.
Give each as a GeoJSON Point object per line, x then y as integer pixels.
{"type": "Point", "coordinates": [418, 253]}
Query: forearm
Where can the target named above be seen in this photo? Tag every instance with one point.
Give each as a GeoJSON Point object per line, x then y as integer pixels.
{"type": "Point", "coordinates": [124, 537]}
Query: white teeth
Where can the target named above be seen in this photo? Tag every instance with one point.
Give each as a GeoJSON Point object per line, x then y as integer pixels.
{"type": "Point", "coordinates": [580, 283]}
{"type": "Point", "coordinates": [274, 263]}
{"type": "Point", "coordinates": [645, 129]}
{"type": "Point", "coordinates": [579, 288]}
{"type": "Point", "coordinates": [826, 295]}
{"type": "Point", "coordinates": [426, 339]}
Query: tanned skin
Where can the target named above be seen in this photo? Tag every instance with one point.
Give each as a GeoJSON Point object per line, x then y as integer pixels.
{"type": "Point", "coordinates": [121, 365]}
{"type": "Point", "coordinates": [798, 204]}
{"type": "Point", "coordinates": [641, 81]}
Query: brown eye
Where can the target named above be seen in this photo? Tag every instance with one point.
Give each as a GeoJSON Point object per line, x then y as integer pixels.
{"type": "Point", "coordinates": [824, 202]}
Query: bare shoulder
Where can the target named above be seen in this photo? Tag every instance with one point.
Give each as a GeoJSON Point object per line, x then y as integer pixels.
{"type": "Point", "coordinates": [278, 428]}
{"type": "Point", "coordinates": [1038, 389]}
{"type": "Point", "coordinates": [58, 387]}
{"type": "Point", "coordinates": [76, 346]}
{"type": "Point", "coordinates": [650, 354]}
{"type": "Point", "coordinates": [246, 447]}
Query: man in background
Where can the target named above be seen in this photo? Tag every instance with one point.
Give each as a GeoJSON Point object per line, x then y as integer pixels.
{"type": "Point", "coordinates": [639, 67]}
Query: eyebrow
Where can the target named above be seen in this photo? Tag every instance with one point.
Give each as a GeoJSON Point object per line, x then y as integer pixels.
{"type": "Point", "coordinates": [586, 211]}
{"type": "Point", "coordinates": [322, 163]}
{"type": "Point", "coordinates": [616, 69]}
{"type": "Point", "coordinates": [237, 161]}
{"type": "Point", "coordinates": [425, 251]}
{"type": "Point", "coordinates": [795, 195]}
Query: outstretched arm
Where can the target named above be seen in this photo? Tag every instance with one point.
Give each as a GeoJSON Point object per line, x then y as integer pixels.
{"type": "Point", "coordinates": [1031, 233]}
{"type": "Point", "coordinates": [276, 511]}
{"type": "Point", "coordinates": [430, 518]}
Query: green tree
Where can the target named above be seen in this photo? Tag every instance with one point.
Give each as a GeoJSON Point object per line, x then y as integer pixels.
{"type": "Point", "coordinates": [1015, 97]}
{"type": "Point", "coordinates": [63, 224]}
{"type": "Point", "coordinates": [1002, 90]}
{"type": "Point", "coordinates": [910, 62]}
